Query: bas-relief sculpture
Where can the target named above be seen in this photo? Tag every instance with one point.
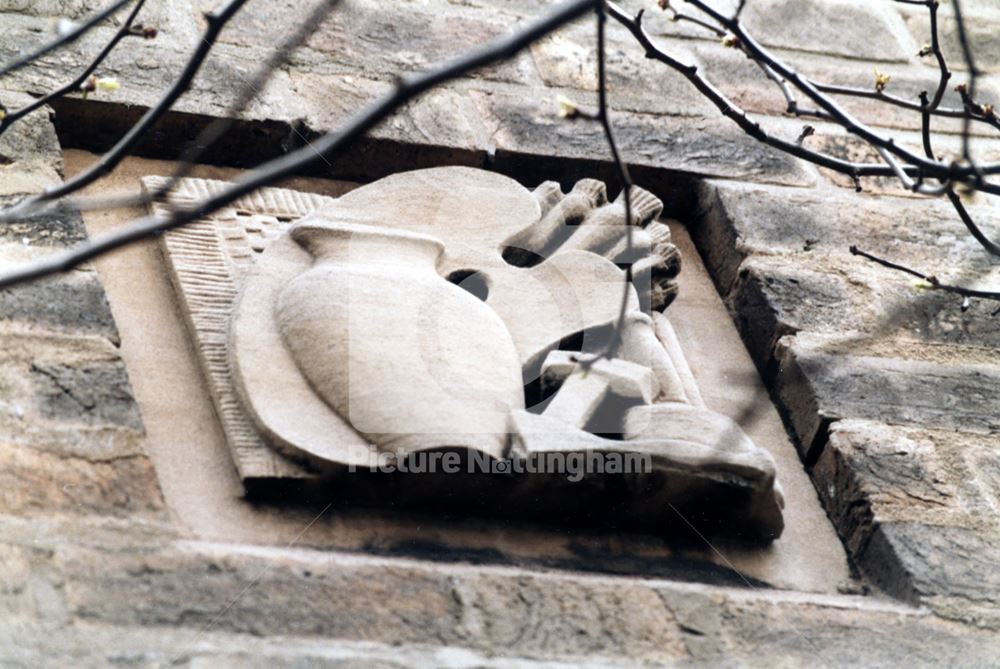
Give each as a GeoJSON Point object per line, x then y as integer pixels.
{"type": "Point", "coordinates": [451, 308]}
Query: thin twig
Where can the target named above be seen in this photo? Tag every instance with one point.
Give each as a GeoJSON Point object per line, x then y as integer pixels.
{"type": "Point", "coordinates": [931, 282]}
{"type": "Point", "coordinates": [623, 175]}
{"type": "Point", "coordinates": [678, 17]}
{"type": "Point", "coordinates": [733, 112]}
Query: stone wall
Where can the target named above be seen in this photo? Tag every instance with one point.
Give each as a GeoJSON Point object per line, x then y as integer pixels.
{"type": "Point", "coordinates": [890, 393]}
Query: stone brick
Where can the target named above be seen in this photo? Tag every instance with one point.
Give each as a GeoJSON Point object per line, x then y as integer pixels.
{"type": "Point", "coordinates": [851, 28]}
{"type": "Point", "coordinates": [772, 298]}
{"type": "Point", "coordinates": [58, 227]}
{"type": "Point", "coordinates": [441, 125]}
{"type": "Point", "coordinates": [521, 123]}
{"type": "Point", "coordinates": [789, 635]}
{"type": "Point", "coordinates": [146, 68]}
{"type": "Point", "coordinates": [567, 59]}
{"type": "Point", "coordinates": [747, 86]}
{"type": "Point", "coordinates": [912, 509]}
{"type": "Point", "coordinates": [511, 613]}
{"type": "Point", "coordinates": [870, 473]}
{"type": "Point", "coordinates": [838, 144]}
{"type": "Point", "coordinates": [821, 381]}
{"type": "Point", "coordinates": [33, 482]}
{"type": "Point", "coordinates": [659, 23]}
{"type": "Point", "coordinates": [171, 18]}
{"type": "Point", "coordinates": [71, 429]}
{"type": "Point", "coordinates": [30, 158]}
{"type": "Point", "coordinates": [301, 593]}
{"type": "Point", "coordinates": [789, 232]}
{"type": "Point", "coordinates": [134, 596]}
{"type": "Point", "coordinates": [878, 314]}
{"type": "Point", "coordinates": [99, 647]}
{"type": "Point", "coordinates": [361, 36]}
{"type": "Point", "coordinates": [73, 303]}
{"type": "Point", "coordinates": [96, 393]}
{"type": "Point", "coordinates": [951, 568]}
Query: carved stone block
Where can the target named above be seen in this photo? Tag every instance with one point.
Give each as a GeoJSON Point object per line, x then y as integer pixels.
{"type": "Point", "coordinates": [450, 310]}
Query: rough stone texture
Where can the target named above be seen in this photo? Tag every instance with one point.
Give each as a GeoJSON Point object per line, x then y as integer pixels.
{"type": "Point", "coordinates": [891, 392]}
{"type": "Point", "coordinates": [521, 124]}
{"type": "Point", "coordinates": [29, 156]}
{"type": "Point", "coordinates": [982, 20]}
{"type": "Point", "coordinates": [923, 499]}
{"type": "Point", "coordinates": [820, 381]}
{"type": "Point", "coordinates": [71, 430]}
{"type": "Point", "coordinates": [96, 394]}
{"type": "Point", "coordinates": [841, 27]}
{"type": "Point", "coordinates": [566, 61]}
{"type": "Point", "coordinates": [161, 602]}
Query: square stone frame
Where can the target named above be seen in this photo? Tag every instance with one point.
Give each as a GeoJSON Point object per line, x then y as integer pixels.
{"type": "Point", "coordinates": [200, 485]}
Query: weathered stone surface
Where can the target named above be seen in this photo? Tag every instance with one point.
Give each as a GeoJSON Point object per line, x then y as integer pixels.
{"type": "Point", "coordinates": [747, 86]}
{"type": "Point", "coordinates": [70, 304]}
{"type": "Point", "coordinates": [130, 595]}
{"type": "Point", "coordinates": [877, 314]}
{"type": "Point", "coordinates": [360, 36]}
{"type": "Point", "coordinates": [71, 429]}
{"type": "Point", "coordinates": [870, 473]}
{"type": "Point", "coordinates": [847, 147]}
{"type": "Point", "coordinates": [801, 275]}
{"type": "Point", "coordinates": [442, 125]}
{"type": "Point", "coordinates": [330, 598]}
{"type": "Point", "coordinates": [951, 568]}
{"type": "Point", "coordinates": [146, 68]}
{"type": "Point", "coordinates": [912, 507]}
{"type": "Point", "coordinates": [99, 647]}
{"type": "Point", "coordinates": [53, 228]}
{"type": "Point", "coordinates": [14, 580]}
{"type": "Point", "coordinates": [800, 634]}
{"type": "Point", "coordinates": [33, 482]}
{"type": "Point", "coordinates": [30, 159]}
{"type": "Point", "coordinates": [567, 60]}
{"type": "Point", "coordinates": [981, 24]}
{"type": "Point", "coordinates": [304, 593]}
{"type": "Point", "coordinates": [72, 9]}
{"type": "Point", "coordinates": [772, 298]}
{"type": "Point", "coordinates": [526, 125]}
{"type": "Point", "coordinates": [851, 28]}
{"type": "Point", "coordinates": [93, 394]}
{"type": "Point", "coordinates": [820, 381]}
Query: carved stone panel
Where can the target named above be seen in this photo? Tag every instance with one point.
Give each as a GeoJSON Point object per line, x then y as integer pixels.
{"type": "Point", "coordinates": [452, 311]}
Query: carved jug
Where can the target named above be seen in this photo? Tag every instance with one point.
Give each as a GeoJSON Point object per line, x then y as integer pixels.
{"type": "Point", "coordinates": [409, 359]}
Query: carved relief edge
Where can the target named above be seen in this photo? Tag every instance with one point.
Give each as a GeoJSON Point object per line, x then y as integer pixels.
{"type": "Point", "coordinates": [205, 277]}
